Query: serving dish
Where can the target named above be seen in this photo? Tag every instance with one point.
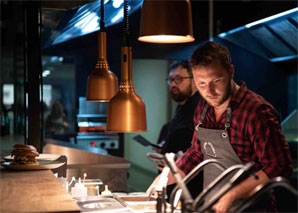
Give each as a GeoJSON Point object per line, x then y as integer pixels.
{"type": "Point", "coordinates": [42, 165]}
{"type": "Point", "coordinates": [41, 157]}
{"type": "Point", "coordinates": [108, 203]}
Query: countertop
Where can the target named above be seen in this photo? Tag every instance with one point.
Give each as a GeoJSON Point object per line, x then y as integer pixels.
{"type": "Point", "coordinates": [33, 191]}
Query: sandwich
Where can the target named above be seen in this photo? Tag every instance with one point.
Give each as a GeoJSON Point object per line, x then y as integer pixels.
{"type": "Point", "coordinates": [24, 154]}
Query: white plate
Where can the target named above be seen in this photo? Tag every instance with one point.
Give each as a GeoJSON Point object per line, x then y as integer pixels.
{"type": "Point", "coordinates": [42, 165]}
{"type": "Point", "coordinates": [41, 157]}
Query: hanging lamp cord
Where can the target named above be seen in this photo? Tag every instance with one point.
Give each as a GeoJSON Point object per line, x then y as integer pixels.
{"type": "Point", "coordinates": [125, 41]}
{"type": "Point", "coordinates": [102, 16]}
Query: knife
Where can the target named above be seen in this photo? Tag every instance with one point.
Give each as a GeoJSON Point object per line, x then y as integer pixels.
{"type": "Point", "coordinates": [145, 142]}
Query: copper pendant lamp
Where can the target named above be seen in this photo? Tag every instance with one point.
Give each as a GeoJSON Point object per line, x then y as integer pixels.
{"type": "Point", "coordinates": [126, 110]}
{"type": "Point", "coordinates": [166, 22]}
{"type": "Point", "coordinates": [102, 84]}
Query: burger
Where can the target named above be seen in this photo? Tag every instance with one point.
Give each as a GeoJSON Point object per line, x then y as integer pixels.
{"type": "Point", "coordinates": [24, 154]}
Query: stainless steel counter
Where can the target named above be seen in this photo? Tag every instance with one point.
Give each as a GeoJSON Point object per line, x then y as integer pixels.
{"type": "Point", "coordinates": [95, 162]}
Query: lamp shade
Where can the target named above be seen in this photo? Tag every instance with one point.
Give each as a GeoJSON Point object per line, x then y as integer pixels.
{"type": "Point", "coordinates": [166, 22]}
{"type": "Point", "coordinates": [126, 110]}
{"type": "Point", "coordinates": [102, 84]}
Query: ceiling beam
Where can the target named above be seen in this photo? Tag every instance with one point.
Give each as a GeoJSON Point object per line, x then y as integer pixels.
{"type": "Point", "coordinates": [63, 5]}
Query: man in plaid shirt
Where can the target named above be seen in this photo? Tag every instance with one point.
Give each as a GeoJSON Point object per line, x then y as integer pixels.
{"type": "Point", "coordinates": [233, 125]}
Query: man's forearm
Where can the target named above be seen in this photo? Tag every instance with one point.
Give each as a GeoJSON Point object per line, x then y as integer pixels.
{"type": "Point", "coordinates": [247, 187]}
{"type": "Point", "coordinates": [244, 189]}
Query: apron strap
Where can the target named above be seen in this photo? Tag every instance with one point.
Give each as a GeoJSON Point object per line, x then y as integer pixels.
{"type": "Point", "coordinates": [202, 116]}
{"type": "Point", "coordinates": [228, 117]}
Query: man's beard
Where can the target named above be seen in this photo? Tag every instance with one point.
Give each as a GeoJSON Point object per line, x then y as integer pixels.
{"type": "Point", "coordinates": [226, 95]}
{"type": "Point", "coordinates": [181, 96]}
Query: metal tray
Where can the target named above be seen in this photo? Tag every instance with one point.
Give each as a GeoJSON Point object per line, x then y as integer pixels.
{"type": "Point", "coordinates": [102, 204]}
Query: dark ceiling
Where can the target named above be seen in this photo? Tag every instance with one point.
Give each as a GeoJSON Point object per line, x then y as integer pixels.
{"type": "Point", "coordinates": [227, 15]}
{"type": "Point", "coordinates": [235, 13]}
{"type": "Point", "coordinates": [275, 40]}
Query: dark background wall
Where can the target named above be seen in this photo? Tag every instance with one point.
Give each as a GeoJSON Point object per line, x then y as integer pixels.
{"type": "Point", "coordinates": [265, 78]}
{"type": "Point", "coordinates": [277, 82]}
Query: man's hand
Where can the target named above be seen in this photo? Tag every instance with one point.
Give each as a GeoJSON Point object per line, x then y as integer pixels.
{"type": "Point", "coordinates": [171, 180]}
{"type": "Point", "coordinates": [158, 150]}
{"type": "Point", "coordinates": [224, 203]}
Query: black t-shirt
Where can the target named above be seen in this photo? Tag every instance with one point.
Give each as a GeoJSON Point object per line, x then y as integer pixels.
{"type": "Point", "coordinates": [181, 127]}
{"type": "Point", "coordinates": [179, 136]}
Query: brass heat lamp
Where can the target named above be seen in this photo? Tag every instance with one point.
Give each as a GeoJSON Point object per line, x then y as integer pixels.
{"type": "Point", "coordinates": [126, 110]}
{"type": "Point", "coordinates": [102, 84]}
{"type": "Point", "coordinates": [166, 21]}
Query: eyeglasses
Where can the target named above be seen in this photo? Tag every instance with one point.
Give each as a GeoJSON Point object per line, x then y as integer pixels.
{"type": "Point", "coordinates": [178, 79]}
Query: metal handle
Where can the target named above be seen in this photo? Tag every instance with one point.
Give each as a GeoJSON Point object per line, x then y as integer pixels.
{"type": "Point", "coordinates": [275, 182]}
{"type": "Point", "coordinates": [193, 174]}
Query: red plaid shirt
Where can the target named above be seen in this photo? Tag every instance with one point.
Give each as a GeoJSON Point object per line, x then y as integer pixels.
{"type": "Point", "coordinates": [255, 134]}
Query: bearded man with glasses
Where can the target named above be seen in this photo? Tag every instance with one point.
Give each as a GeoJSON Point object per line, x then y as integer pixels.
{"type": "Point", "coordinates": [184, 92]}
{"type": "Point", "coordinates": [180, 129]}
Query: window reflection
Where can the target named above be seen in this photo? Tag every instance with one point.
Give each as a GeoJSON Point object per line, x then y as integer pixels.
{"type": "Point", "coordinates": [58, 98]}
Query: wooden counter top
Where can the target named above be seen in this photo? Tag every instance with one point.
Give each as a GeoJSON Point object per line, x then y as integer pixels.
{"type": "Point", "coordinates": [33, 191]}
